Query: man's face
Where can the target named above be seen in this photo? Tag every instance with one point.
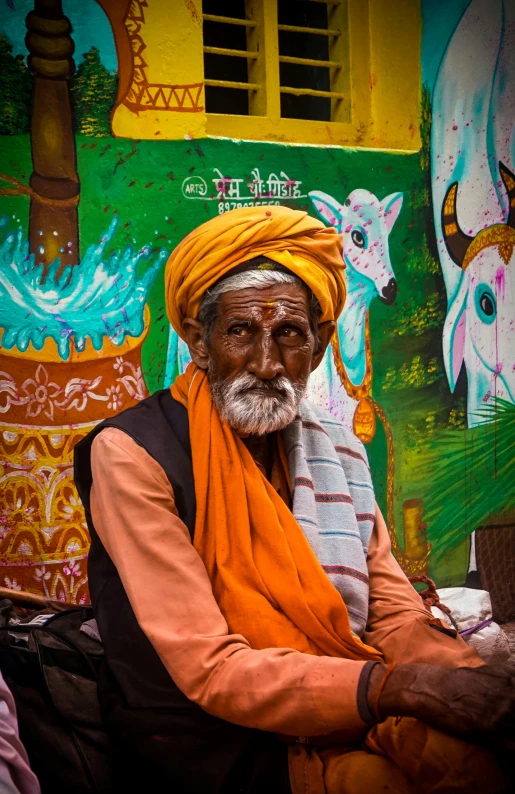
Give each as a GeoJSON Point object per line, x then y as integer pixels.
{"type": "Point", "coordinates": [259, 356]}
{"type": "Point", "coordinates": [264, 332]}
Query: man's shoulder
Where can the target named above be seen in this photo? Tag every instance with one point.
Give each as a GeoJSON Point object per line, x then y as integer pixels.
{"type": "Point", "coordinates": [156, 424]}
{"type": "Point", "coordinates": [110, 436]}
{"type": "Point", "coordinates": [154, 415]}
{"type": "Point", "coordinates": [339, 434]}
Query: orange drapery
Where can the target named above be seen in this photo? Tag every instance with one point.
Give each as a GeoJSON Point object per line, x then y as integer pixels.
{"type": "Point", "coordinates": [266, 579]}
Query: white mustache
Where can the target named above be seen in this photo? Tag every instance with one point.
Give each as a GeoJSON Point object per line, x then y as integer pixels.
{"type": "Point", "coordinates": [247, 382]}
{"type": "Point", "coordinates": [257, 414]}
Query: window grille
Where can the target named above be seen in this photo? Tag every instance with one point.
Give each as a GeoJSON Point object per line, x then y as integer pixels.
{"type": "Point", "coordinates": [313, 71]}
{"type": "Point", "coordinates": [226, 57]}
{"type": "Point", "coordinates": [312, 55]}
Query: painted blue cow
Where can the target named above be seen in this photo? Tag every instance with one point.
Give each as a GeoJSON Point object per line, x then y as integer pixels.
{"type": "Point", "coordinates": [365, 223]}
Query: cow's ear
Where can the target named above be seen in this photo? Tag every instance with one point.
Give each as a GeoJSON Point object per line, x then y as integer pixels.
{"type": "Point", "coordinates": [327, 207]}
{"type": "Point", "coordinates": [454, 331]}
{"type": "Point", "coordinates": [392, 206]}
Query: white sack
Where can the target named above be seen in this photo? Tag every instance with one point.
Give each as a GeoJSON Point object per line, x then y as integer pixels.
{"type": "Point", "coordinates": [469, 608]}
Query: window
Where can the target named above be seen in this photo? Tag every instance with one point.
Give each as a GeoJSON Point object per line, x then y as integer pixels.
{"type": "Point", "coordinates": [306, 70]}
{"type": "Point", "coordinates": [225, 67]}
{"type": "Point", "coordinates": [313, 54]}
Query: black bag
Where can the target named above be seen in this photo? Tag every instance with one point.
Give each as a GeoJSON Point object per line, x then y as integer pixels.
{"type": "Point", "coordinates": [51, 669]}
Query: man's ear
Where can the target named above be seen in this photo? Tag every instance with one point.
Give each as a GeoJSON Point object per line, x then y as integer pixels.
{"type": "Point", "coordinates": [194, 332]}
{"type": "Point", "coordinates": [325, 332]}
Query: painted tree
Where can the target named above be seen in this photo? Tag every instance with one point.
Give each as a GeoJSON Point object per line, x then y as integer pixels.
{"type": "Point", "coordinates": [15, 91]}
{"type": "Point", "coordinates": [93, 93]}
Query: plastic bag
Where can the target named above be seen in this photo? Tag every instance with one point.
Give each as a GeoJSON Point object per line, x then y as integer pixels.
{"type": "Point", "coordinates": [471, 611]}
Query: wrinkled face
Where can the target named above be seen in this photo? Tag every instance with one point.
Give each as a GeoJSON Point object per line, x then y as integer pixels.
{"type": "Point", "coordinates": [260, 354]}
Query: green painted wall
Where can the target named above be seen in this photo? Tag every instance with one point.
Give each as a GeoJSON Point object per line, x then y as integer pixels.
{"type": "Point", "coordinates": [142, 182]}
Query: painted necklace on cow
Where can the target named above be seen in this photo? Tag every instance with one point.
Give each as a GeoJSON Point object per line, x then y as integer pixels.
{"type": "Point", "coordinates": [364, 422]}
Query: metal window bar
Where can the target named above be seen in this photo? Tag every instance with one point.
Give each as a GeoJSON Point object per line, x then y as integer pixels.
{"type": "Point", "coordinates": [234, 53]}
{"type": "Point", "coordinates": [284, 89]}
{"type": "Point", "coordinates": [315, 31]}
{"type": "Point", "coordinates": [252, 56]}
{"type": "Point", "coordinates": [333, 66]}
{"type": "Point", "coordinates": [310, 62]}
{"type": "Point", "coordinates": [248, 23]}
{"type": "Point", "coordinates": [233, 84]}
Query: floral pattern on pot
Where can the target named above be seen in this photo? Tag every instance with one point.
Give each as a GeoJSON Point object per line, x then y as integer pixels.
{"type": "Point", "coordinates": [46, 407]}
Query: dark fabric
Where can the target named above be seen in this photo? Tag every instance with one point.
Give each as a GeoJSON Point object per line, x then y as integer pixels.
{"type": "Point", "coordinates": [161, 737]}
{"type": "Point", "coordinates": [51, 670]}
{"type": "Point", "coordinates": [363, 708]}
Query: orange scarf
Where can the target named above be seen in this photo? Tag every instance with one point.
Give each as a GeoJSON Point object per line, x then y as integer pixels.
{"type": "Point", "coordinates": [266, 579]}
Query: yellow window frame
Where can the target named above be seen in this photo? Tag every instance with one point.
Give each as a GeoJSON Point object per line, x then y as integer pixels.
{"type": "Point", "coordinates": [381, 76]}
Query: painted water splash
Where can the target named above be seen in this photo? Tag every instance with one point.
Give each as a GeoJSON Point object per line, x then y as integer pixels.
{"type": "Point", "coordinates": [99, 299]}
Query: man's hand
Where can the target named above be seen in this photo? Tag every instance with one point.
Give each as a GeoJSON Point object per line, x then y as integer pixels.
{"type": "Point", "coordinates": [475, 703]}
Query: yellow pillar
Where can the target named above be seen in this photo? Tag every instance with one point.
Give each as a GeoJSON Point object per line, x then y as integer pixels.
{"type": "Point", "coordinates": [395, 30]}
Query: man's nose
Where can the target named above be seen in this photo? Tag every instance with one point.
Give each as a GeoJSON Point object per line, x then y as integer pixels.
{"type": "Point", "coordinates": [265, 359]}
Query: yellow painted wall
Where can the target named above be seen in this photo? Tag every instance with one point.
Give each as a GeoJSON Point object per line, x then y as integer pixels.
{"type": "Point", "coordinates": [166, 95]}
{"type": "Point", "coordinates": [166, 98]}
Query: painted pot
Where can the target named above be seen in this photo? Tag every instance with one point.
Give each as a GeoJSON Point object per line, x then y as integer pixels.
{"type": "Point", "coordinates": [47, 405]}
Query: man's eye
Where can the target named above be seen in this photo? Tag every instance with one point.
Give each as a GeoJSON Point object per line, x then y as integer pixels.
{"type": "Point", "coordinates": [240, 330]}
{"type": "Point", "coordinates": [290, 333]}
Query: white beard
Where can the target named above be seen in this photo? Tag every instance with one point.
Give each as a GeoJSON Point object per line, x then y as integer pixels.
{"type": "Point", "coordinates": [257, 414]}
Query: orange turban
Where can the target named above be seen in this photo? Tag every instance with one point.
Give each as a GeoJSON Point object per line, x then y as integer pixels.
{"type": "Point", "coordinates": [312, 251]}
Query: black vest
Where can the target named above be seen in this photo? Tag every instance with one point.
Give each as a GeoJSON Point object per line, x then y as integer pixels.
{"type": "Point", "coordinates": [162, 739]}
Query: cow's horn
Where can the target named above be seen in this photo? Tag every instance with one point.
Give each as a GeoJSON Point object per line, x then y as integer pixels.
{"type": "Point", "coordinates": [456, 240]}
{"type": "Point", "coordinates": [509, 183]}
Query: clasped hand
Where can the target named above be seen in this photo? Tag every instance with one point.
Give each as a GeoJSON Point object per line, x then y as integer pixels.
{"type": "Point", "coordinates": [474, 703]}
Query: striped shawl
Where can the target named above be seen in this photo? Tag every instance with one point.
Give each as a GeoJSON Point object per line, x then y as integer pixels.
{"type": "Point", "coordinates": [333, 502]}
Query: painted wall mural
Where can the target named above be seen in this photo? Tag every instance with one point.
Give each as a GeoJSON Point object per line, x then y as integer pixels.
{"type": "Point", "coordinates": [71, 327]}
{"type": "Point", "coordinates": [473, 189]}
{"type": "Point", "coordinates": [343, 382]}
{"type": "Point", "coordinates": [420, 366]}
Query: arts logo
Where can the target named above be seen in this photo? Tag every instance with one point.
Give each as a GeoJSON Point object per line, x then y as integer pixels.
{"type": "Point", "coordinates": [194, 187]}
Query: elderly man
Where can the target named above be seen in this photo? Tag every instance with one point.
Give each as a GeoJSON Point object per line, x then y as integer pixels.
{"type": "Point", "coordinates": [259, 636]}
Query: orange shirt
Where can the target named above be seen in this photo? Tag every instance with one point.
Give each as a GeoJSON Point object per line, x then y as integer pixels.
{"type": "Point", "coordinates": [275, 689]}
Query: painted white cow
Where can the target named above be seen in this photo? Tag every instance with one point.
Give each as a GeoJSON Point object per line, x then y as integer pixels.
{"type": "Point", "coordinates": [365, 223]}
{"type": "Point", "coordinates": [472, 152]}
{"type": "Point", "coordinates": [480, 325]}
